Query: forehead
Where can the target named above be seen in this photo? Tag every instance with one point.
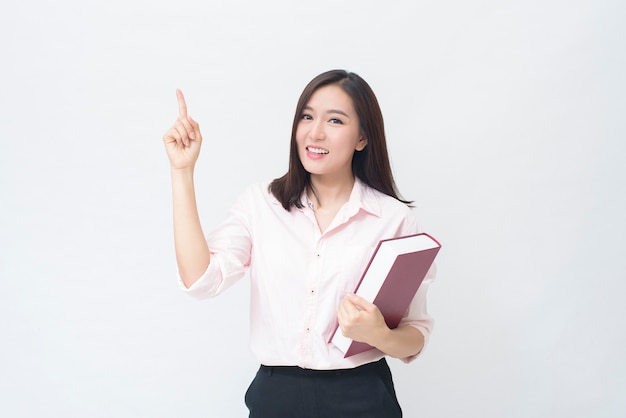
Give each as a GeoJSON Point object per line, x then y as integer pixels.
{"type": "Point", "coordinates": [330, 97]}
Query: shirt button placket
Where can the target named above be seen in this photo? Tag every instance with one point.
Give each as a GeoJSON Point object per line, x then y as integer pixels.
{"type": "Point", "coordinates": [311, 304]}
{"type": "Point", "coordinates": [314, 284]}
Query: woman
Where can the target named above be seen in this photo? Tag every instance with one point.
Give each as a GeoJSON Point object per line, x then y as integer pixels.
{"type": "Point", "coordinates": [306, 238]}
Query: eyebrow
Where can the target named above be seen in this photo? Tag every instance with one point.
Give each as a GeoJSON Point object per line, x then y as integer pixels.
{"type": "Point", "coordinates": [341, 112]}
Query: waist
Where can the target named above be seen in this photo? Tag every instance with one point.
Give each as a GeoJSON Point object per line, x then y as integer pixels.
{"type": "Point", "coordinates": [374, 367]}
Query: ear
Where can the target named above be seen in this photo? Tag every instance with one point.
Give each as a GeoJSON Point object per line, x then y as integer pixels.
{"type": "Point", "coordinates": [360, 146]}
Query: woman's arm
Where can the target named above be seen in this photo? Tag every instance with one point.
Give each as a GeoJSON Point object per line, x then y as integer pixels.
{"type": "Point", "coordinates": [182, 143]}
{"type": "Point", "coordinates": [192, 251]}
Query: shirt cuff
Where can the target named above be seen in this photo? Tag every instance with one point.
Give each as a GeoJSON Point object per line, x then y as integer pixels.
{"type": "Point", "coordinates": [205, 287]}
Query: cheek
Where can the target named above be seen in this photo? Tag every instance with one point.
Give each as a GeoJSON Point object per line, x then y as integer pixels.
{"type": "Point", "coordinates": [300, 134]}
{"type": "Point", "coordinates": [300, 139]}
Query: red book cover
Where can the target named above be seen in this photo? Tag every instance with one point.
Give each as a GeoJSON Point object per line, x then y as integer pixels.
{"type": "Point", "coordinates": [391, 279]}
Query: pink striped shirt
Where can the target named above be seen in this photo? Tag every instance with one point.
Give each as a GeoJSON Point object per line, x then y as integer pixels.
{"type": "Point", "coordinates": [298, 274]}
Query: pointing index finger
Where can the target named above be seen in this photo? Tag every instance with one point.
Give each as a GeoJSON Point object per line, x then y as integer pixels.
{"type": "Point", "coordinates": [182, 106]}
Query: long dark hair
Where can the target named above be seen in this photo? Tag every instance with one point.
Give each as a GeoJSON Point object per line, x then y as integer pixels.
{"type": "Point", "coordinates": [371, 165]}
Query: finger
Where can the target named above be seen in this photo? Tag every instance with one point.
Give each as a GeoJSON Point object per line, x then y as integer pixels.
{"type": "Point", "coordinates": [195, 125]}
{"type": "Point", "coordinates": [359, 302]}
{"type": "Point", "coordinates": [182, 106]}
{"type": "Point", "coordinates": [182, 132]}
{"type": "Point", "coordinates": [197, 135]}
{"type": "Point", "coordinates": [182, 110]}
{"type": "Point", "coordinates": [188, 126]}
{"type": "Point", "coordinates": [173, 136]}
{"type": "Point", "coordinates": [348, 309]}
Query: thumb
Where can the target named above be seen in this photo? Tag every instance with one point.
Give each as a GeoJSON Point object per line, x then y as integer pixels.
{"type": "Point", "coordinates": [196, 128]}
{"type": "Point", "coordinates": [359, 302]}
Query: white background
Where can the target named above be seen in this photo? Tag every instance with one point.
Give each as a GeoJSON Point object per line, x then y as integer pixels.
{"type": "Point", "coordinates": [506, 125]}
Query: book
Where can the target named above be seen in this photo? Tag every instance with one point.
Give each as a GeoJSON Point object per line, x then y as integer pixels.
{"type": "Point", "coordinates": [390, 280]}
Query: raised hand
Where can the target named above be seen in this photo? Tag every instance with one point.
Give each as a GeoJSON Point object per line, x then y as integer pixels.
{"type": "Point", "coordinates": [182, 141]}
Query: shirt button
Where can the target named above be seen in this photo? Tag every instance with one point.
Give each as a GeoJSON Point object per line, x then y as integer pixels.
{"type": "Point", "coordinates": [312, 291]}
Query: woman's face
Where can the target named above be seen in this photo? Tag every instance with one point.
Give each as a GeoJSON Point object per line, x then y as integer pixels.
{"type": "Point", "coordinates": [328, 133]}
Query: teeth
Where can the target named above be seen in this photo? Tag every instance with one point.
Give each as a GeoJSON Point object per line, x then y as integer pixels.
{"type": "Point", "coordinates": [317, 150]}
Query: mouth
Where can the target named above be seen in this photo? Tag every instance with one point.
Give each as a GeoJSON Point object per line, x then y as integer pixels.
{"type": "Point", "coordinates": [315, 150]}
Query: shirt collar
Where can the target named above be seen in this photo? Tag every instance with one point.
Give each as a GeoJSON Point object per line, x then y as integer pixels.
{"type": "Point", "coordinates": [361, 197]}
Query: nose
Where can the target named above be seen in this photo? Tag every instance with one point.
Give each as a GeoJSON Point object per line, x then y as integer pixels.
{"type": "Point", "coordinates": [317, 131]}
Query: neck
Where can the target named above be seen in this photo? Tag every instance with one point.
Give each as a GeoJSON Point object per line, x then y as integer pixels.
{"type": "Point", "coordinates": [330, 194]}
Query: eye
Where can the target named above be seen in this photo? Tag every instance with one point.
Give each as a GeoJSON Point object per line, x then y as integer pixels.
{"type": "Point", "coordinates": [336, 121]}
{"type": "Point", "coordinates": [306, 116]}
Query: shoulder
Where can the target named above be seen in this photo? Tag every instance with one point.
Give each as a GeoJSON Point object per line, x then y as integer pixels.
{"type": "Point", "coordinates": [257, 193]}
{"type": "Point", "coordinates": [385, 202]}
{"type": "Point", "coordinates": [390, 209]}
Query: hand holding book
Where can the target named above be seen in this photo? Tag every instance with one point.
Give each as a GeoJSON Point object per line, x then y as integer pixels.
{"type": "Point", "coordinates": [359, 319]}
{"type": "Point", "coordinates": [390, 281]}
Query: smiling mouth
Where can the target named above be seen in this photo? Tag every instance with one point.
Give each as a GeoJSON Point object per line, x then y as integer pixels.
{"type": "Point", "coordinates": [317, 150]}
